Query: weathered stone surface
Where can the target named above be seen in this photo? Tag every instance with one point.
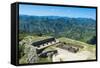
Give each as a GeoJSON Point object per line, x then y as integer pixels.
{"type": "Point", "coordinates": [30, 54]}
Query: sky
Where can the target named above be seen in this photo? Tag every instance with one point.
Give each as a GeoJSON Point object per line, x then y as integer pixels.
{"type": "Point", "coordinates": [73, 12]}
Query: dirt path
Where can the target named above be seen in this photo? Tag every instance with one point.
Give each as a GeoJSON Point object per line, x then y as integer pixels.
{"type": "Point", "coordinates": [64, 55]}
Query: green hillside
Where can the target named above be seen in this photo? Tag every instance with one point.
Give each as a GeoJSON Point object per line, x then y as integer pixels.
{"type": "Point", "coordinates": [82, 29]}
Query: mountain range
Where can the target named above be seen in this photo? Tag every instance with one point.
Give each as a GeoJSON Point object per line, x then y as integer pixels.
{"type": "Point", "coordinates": [83, 29]}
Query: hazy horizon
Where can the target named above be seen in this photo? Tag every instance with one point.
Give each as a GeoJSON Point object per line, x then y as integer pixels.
{"type": "Point", "coordinates": [72, 12]}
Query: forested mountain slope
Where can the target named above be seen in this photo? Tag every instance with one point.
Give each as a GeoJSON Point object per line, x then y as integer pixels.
{"type": "Point", "coordinates": [82, 29]}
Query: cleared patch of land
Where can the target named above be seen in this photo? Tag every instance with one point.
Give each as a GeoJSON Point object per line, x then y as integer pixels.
{"type": "Point", "coordinates": [64, 55]}
{"type": "Point", "coordinates": [88, 52]}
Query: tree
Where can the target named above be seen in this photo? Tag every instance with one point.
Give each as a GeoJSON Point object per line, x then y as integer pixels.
{"type": "Point", "coordinates": [93, 40]}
